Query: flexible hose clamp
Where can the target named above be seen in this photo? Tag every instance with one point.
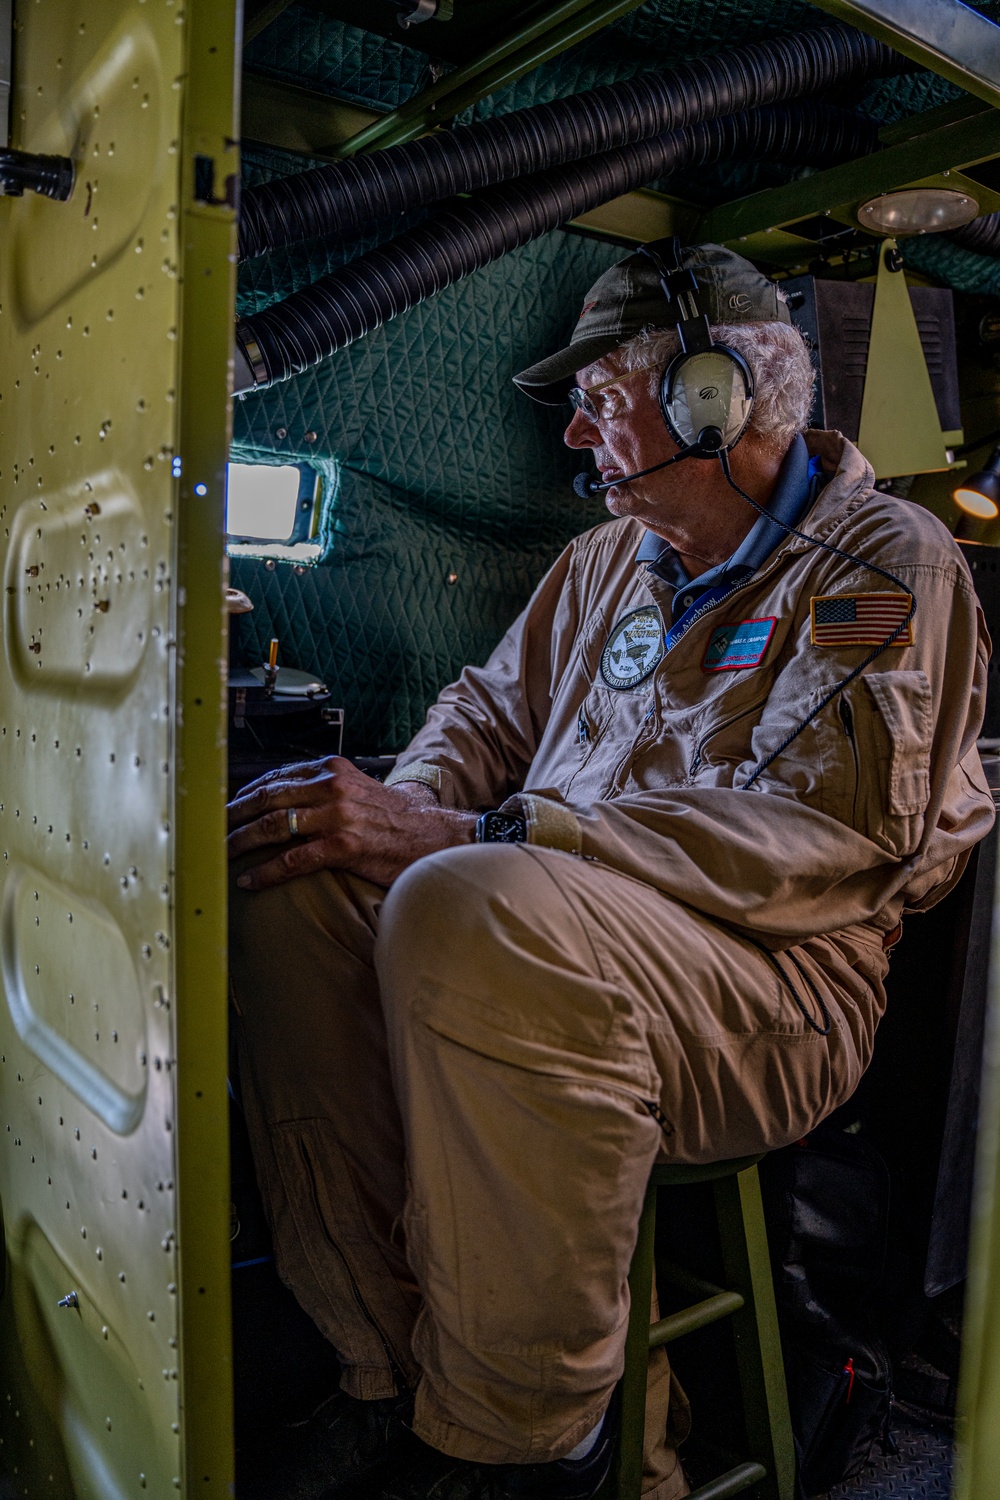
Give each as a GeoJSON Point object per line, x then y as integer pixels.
{"type": "Point", "coordinates": [253, 354]}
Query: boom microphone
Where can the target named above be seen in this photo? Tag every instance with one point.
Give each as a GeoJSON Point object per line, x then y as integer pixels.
{"type": "Point", "coordinates": [586, 487]}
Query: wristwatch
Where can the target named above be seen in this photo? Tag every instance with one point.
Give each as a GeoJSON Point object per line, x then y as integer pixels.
{"type": "Point", "coordinates": [501, 828]}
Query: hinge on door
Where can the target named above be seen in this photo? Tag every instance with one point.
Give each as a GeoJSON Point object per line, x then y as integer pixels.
{"type": "Point", "coordinates": [204, 184]}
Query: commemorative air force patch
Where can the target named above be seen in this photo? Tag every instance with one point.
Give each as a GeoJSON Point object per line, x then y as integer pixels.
{"type": "Point", "coordinates": [735, 646]}
{"type": "Point", "coordinates": [859, 619]}
{"type": "Point", "coordinates": [634, 648]}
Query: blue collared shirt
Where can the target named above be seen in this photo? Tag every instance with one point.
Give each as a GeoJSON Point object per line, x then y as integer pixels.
{"type": "Point", "coordinates": [795, 489]}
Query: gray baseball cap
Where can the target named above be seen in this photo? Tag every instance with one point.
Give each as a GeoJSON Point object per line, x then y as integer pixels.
{"type": "Point", "coordinates": [629, 297]}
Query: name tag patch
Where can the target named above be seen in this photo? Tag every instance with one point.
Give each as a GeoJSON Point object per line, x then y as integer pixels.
{"type": "Point", "coordinates": [859, 619]}
{"type": "Point", "coordinates": [740, 645]}
{"type": "Point", "coordinates": [634, 648]}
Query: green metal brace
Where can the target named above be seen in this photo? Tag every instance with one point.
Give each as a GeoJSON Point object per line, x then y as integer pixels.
{"type": "Point", "coordinates": [770, 1468]}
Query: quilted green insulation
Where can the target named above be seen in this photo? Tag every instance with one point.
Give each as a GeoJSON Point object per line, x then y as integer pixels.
{"type": "Point", "coordinates": [446, 494]}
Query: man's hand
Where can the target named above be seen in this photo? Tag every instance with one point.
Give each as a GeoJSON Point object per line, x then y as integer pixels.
{"type": "Point", "coordinates": [344, 820]}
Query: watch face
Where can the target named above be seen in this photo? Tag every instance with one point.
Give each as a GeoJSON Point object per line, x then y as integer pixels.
{"type": "Point", "coordinates": [501, 828]}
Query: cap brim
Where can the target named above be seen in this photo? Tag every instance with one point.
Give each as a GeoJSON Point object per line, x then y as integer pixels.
{"type": "Point", "coordinates": [550, 380]}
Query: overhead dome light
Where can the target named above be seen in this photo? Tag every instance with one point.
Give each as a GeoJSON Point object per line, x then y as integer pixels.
{"type": "Point", "coordinates": [921, 210]}
{"type": "Point", "coordinates": [979, 495]}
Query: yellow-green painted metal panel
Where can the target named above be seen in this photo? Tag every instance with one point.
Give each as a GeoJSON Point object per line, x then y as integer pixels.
{"type": "Point", "coordinates": [978, 1452]}
{"type": "Point", "coordinates": [115, 317]}
{"type": "Point", "coordinates": [900, 432]}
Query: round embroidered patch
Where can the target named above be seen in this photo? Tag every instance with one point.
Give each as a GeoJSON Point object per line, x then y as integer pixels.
{"type": "Point", "coordinates": [634, 648]}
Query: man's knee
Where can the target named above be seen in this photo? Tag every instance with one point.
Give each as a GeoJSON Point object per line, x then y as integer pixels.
{"type": "Point", "coordinates": [435, 910]}
{"type": "Point", "coordinates": [484, 943]}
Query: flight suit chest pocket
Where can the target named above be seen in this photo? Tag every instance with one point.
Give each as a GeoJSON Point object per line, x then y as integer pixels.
{"type": "Point", "coordinates": [875, 747]}
{"type": "Point", "coordinates": [903, 700]}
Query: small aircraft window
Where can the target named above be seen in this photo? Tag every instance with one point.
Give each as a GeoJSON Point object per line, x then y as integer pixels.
{"type": "Point", "coordinates": [273, 503]}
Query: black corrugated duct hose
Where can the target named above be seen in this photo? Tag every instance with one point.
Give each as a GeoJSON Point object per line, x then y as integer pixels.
{"type": "Point", "coordinates": [340, 198]}
{"type": "Point", "coordinates": [313, 323]}
{"type": "Point", "coordinates": [982, 235]}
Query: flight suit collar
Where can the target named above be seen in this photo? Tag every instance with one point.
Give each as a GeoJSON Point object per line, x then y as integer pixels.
{"type": "Point", "coordinates": [849, 482]}
{"type": "Point", "coordinates": [793, 492]}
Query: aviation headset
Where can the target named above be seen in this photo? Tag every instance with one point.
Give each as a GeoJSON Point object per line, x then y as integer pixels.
{"type": "Point", "coordinates": [707, 390]}
{"type": "Point", "coordinates": [706, 401]}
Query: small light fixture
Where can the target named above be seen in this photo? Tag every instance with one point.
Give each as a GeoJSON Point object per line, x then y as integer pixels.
{"type": "Point", "coordinates": [922, 210]}
{"type": "Point", "coordinates": [979, 495]}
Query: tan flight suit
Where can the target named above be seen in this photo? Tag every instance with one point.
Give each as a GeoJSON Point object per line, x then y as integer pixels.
{"type": "Point", "coordinates": [449, 1085]}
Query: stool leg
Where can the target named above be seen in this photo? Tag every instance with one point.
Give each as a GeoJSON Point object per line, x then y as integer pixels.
{"type": "Point", "coordinates": [758, 1343]}
{"type": "Point", "coordinates": [628, 1471]}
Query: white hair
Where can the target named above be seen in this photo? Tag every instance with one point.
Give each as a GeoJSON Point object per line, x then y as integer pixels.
{"type": "Point", "coordinates": [777, 355]}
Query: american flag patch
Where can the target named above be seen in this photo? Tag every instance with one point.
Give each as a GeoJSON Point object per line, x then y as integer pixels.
{"type": "Point", "coordinates": [859, 619]}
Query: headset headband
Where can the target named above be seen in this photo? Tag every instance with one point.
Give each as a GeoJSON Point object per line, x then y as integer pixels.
{"type": "Point", "coordinates": [680, 287]}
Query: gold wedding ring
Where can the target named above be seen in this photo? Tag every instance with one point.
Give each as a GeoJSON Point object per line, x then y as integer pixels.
{"type": "Point", "coordinates": [293, 823]}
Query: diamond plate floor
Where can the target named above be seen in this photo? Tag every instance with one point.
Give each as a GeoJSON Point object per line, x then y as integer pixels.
{"type": "Point", "coordinates": [922, 1467]}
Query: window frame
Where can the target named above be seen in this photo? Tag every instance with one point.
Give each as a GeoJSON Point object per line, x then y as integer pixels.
{"type": "Point", "coordinates": [306, 506]}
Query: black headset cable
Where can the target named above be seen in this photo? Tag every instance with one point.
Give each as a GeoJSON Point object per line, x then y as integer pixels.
{"type": "Point", "coordinates": [844, 682]}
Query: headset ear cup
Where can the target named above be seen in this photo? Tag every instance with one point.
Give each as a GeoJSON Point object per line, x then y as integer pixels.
{"type": "Point", "coordinates": [711, 389]}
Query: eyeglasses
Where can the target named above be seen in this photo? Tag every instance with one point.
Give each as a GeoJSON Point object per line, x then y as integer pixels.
{"type": "Point", "coordinates": [580, 397]}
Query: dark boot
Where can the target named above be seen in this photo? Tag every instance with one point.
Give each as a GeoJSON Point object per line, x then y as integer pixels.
{"type": "Point", "coordinates": [344, 1440]}
{"type": "Point", "coordinates": [417, 1472]}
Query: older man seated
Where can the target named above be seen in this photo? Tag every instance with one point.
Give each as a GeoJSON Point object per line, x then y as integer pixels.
{"type": "Point", "coordinates": [628, 895]}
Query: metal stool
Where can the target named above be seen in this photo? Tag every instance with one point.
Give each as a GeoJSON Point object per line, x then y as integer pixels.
{"type": "Point", "coordinates": [749, 1301]}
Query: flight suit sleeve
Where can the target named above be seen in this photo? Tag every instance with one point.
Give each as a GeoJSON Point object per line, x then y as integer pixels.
{"type": "Point", "coordinates": [881, 793]}
{"type": "Point", "coordinates": [481, 735]}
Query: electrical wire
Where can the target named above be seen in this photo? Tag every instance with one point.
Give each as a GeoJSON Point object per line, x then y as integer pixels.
{"type": "Point", "coordinates": [762, 765]}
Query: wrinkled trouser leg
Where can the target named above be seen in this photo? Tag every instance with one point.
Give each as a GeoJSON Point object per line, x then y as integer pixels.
{"type": "Point", "coordinates": [534, 1002]}
{"type": "Point", "coordinates": [322, 1115]}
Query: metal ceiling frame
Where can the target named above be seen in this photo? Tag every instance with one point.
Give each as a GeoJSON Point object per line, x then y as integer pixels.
{"type": "Point", "coordinates": [297, 119]}
{"type": "Point", "coordinates": [944, 35]}
{"type": "Point", "coordinates": [321, 125]}
{"type": "Point", "coordinates": [258, 17]}
{"type": "Point", "coordinates": [525, 49]}
{"type": "Point", "coordinates": [960, 135]}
